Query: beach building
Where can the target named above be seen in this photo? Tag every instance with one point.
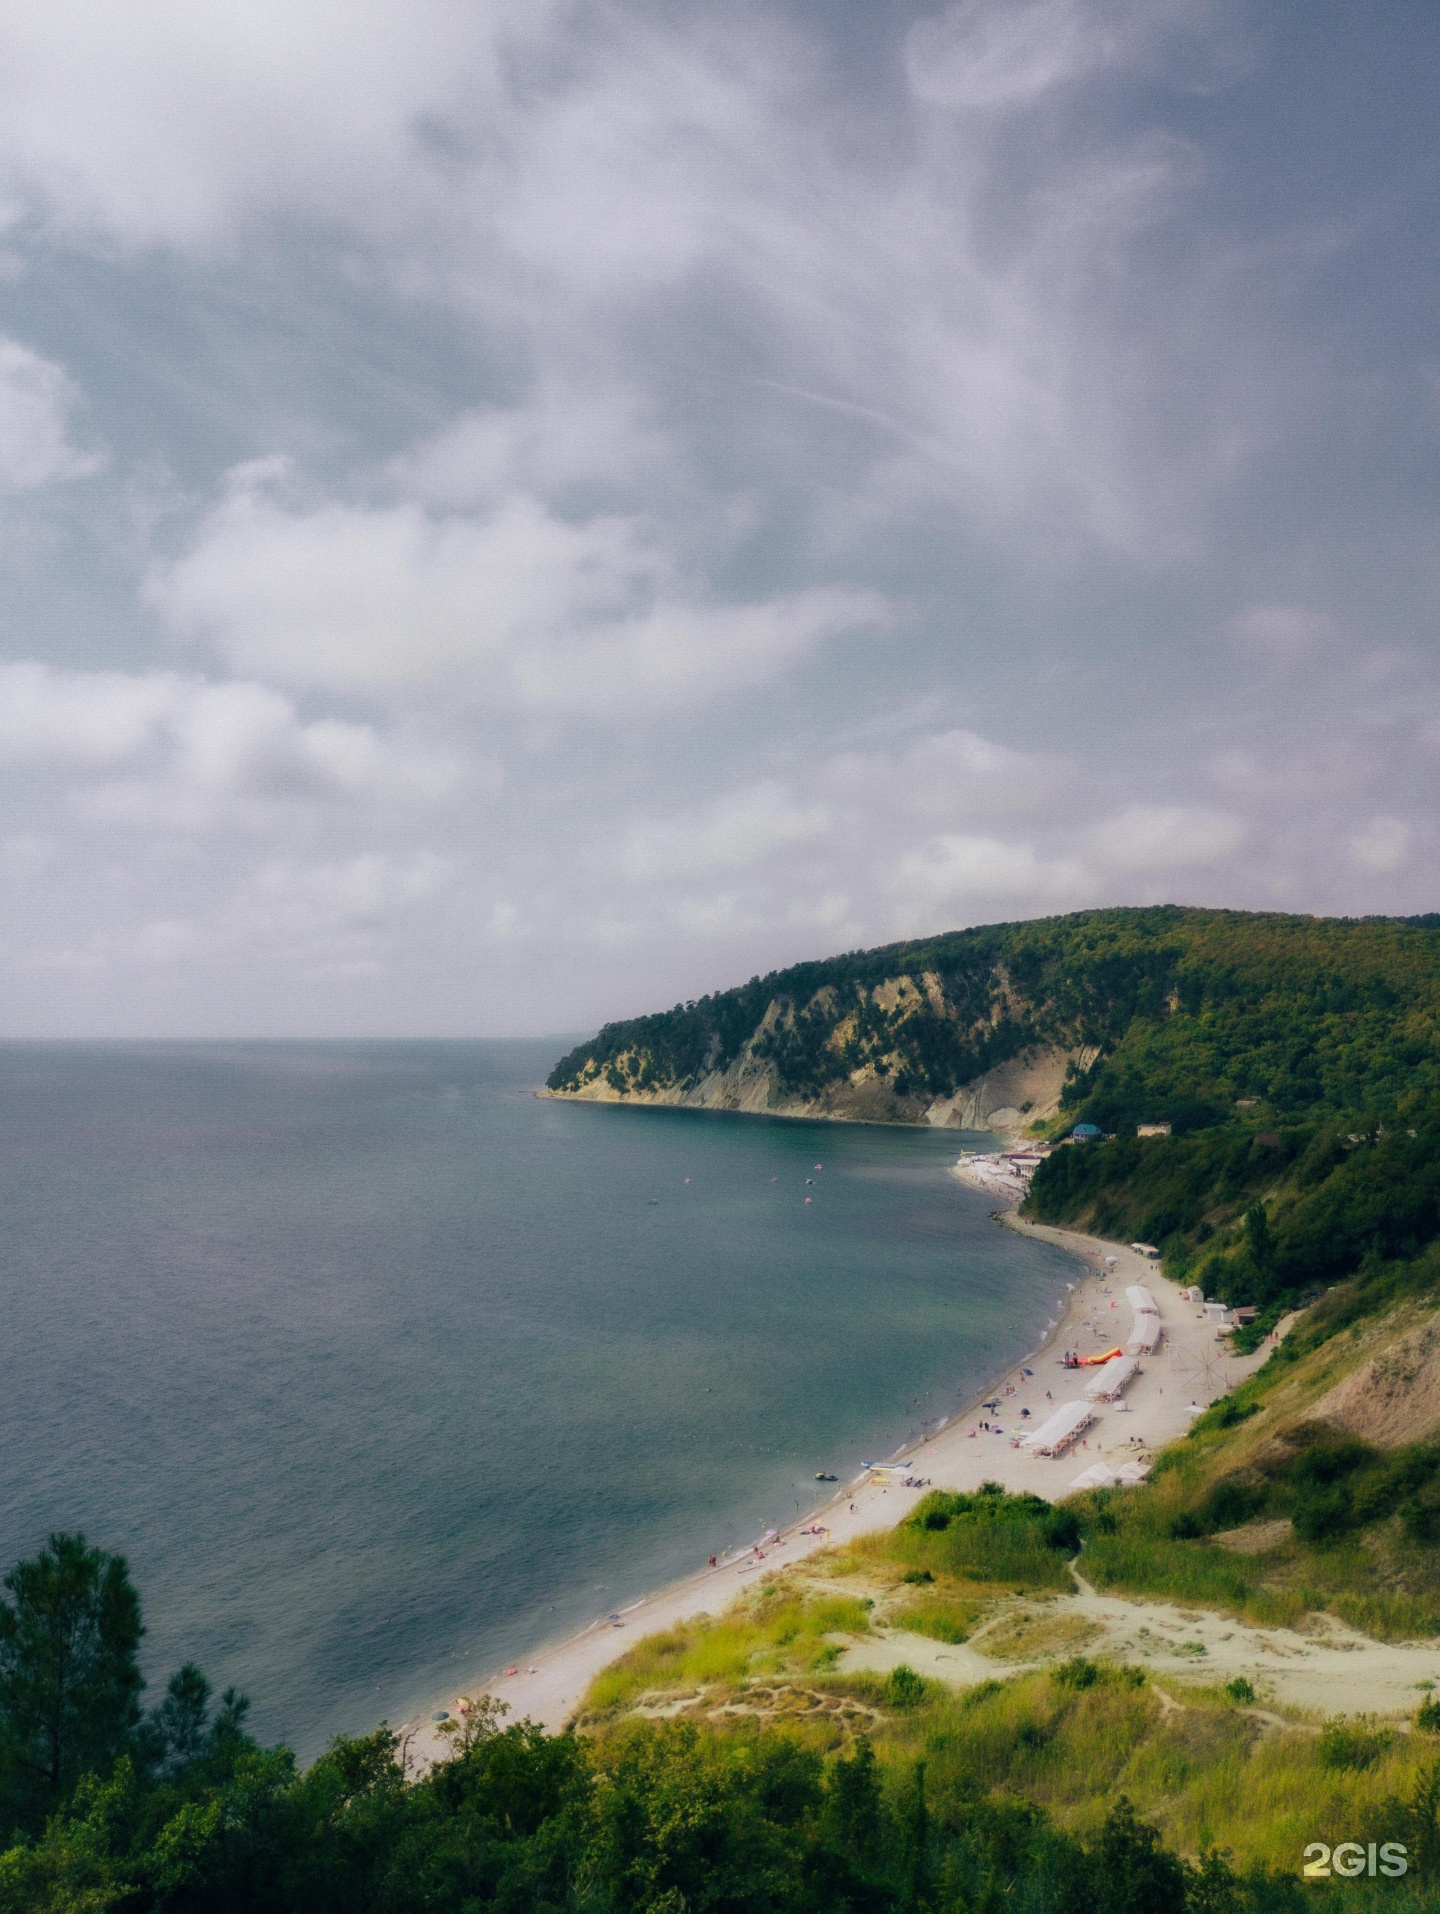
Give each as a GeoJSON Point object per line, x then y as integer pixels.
{"type": "Point", "coordinates": [1056, 1434]}
{"type": "Point", "coordinates": [1086, 1133]}
{"type": "Point", "coordinates": [1107, 1384]}
{"type": "Point", "coordinates": [1152, 1129]}
{"type": "Point", "coordinates": [1146, 1249]}
{"type": "Point", "coordinates": [1218, 1313]}
{"type": "Point", "coordinates": [1004, 1173]}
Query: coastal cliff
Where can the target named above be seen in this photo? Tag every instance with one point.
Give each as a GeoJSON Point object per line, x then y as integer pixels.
{"type": "Point", "coordinates": [1159, 1016]}
{"type": "Point", "coordinates": [1021, 1090]}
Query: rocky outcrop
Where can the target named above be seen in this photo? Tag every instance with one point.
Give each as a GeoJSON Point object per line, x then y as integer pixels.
{"type": "Point", "coordinates": [1008, 1098]}
{"type": "Point", "coordinates": [1022, 1091]}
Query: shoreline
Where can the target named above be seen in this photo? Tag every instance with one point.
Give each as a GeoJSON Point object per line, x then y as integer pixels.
{"type": "Point", "coordinates": [549, 1686]}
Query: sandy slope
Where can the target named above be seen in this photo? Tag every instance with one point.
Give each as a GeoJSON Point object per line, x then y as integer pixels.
{"type": "Point", "coordinates": [1189, 1367]}
{"type": "Point", "coordinates": [1328, 1670]}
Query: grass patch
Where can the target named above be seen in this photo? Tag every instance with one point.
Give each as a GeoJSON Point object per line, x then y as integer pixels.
{"type": "Point", "coordinates": [778, 1628]}
{"type": "Point", "coordinates": [990, 1538]}
{"type": "Point", "coordinates": [1210, 1577]}
{"type": "Point", "coordinates": [1031, 1636]}
{"type": "Point", "coordinates": [941, 1620]}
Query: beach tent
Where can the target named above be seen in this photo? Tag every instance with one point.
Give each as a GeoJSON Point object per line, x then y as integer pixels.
{"type": "Point", "coordinates": [1144, 1336]}
{"type": "Point", "coordinates": [1060, 1430]}
{"type": "Point", "coordinates": [1112, 1379]}
{"type": "Point", "coordinates": [1141, 1301]}
{"type": "Point", "coordinates": [1132, 1473]}
{"type": "Point", "coordinates": [1097, 1476]}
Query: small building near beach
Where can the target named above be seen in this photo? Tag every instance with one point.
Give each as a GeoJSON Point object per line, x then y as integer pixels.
{"type": "Point", "coordinates": [1086, 1133]}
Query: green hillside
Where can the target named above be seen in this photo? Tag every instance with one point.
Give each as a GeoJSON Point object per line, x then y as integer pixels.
{"type": "Point", "coordinates": [1295, 1059]}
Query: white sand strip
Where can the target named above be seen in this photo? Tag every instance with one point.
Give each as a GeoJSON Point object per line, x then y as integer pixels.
{"type": "Point", "coordinates": [1191, 1367]}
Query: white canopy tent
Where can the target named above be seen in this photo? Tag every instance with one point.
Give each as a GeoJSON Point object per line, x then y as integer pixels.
{"type": "Point", "coordinates": [1059, 1430]}
{"type": "Point", "coordinates": [1131, 1473]}
{"type": "Point", "coordinates": [1141, 1301]}
{"type": "Point", "coordinates": [1145, 1336]}
{"type": "Point", "coordinates": [1106, 1385]}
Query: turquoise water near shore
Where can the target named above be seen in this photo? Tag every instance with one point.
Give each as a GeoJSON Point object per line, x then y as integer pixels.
{"type": "Point", "coordinates": [382, 1370]}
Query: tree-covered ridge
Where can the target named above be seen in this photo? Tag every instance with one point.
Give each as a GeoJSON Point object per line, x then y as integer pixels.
{"type": "Point", "coordinates": [1191, 1010]}
{"type": "Point", "coordinates": [818, 1021]}
{"type": "Point", "coordinates": [1295, 1059]}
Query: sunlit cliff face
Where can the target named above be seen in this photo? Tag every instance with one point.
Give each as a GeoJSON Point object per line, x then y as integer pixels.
{"type": "Point", "coordinates": [514, 514]}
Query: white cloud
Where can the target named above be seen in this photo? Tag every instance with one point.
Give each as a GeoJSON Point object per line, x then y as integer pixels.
{"type": "Point", "coordinates": [350, 893]}
{"type": "Point", "coordinates": [161, 122]}
{"type": "Point", "coordinates": [738, 831]}
{"type": "Point", "coordinates": [1286, 634]}
{"type": "Point", "coordinates": [162, 749]}
{"type": "Point", "coordinates": [980, 55]}
{"type": "Point", "coordinates": [519, 608]}
{"type": "Point", "coordinates": [721, 916]}
{"type": "Point", "coordinates": [960, 775]}
{"type": "Point", "coordinates": [1383, 846]}
{"type": "Point", "coordinates": [960, 870]}
{"type": "Point", "coordinates": [37, 399]}
{"type": "Point", "coordinates": [557, 439]}
{"type": "Point", "coordinates": [93, 718]}
{"type": "Point", "coordinates": [676, 318]}
{"type": "Point", "coordinates": [1160, 838]}
{"type": "Point", "coordinates": [581, 184]}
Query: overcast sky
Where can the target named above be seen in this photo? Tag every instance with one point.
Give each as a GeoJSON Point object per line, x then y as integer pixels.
{"type": "Point", "coordinates": [515, 513]}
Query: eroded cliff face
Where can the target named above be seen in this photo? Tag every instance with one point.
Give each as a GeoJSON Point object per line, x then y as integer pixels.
{"type": "Point", "coordinates": [863, 1060]}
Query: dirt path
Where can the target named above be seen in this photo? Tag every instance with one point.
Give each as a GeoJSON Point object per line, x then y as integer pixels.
{"type": "Point", "coordinates": [1330, 1670]}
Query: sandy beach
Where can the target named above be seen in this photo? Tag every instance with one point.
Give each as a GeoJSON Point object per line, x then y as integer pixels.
{"type": "Point", "coordinates": [1191, 1366]}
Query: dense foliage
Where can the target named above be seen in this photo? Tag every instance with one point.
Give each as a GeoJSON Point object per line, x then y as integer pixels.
{"type": "Point", "coordinates": [182, 1811]}
{"type": "Point", "coordinates": [1190, 1010]}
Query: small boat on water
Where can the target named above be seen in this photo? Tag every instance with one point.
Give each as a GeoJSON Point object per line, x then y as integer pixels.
{"type": "Point", "coordinates": [827, 1478]}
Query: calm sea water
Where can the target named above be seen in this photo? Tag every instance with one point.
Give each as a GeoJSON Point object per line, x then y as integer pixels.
{"type": "Point", "coordinates": [381, 1370]}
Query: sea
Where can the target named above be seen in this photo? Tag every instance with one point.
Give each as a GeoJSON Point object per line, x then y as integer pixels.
{"type": "Point", "coordinates": [382, 1371]}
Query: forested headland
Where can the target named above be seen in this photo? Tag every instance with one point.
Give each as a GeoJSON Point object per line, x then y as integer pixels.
{"type": "Point", "coordinates": [1295, 1062]}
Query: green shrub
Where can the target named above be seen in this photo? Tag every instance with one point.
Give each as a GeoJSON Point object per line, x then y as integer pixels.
{"type": "Point", "coordinates": [1061, 1529]}
{"type": "Point", "coordinates": [1078, 1673]}
{"type": "Point", "coordinates": [1354, 1745]}
{"type": "Point", "coordinates": [904, 1688]}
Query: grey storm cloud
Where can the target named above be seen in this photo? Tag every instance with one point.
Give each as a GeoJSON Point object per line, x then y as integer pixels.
{"type": "Point", "coordinates": [516, 513]}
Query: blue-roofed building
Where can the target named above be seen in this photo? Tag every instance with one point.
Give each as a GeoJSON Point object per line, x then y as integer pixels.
{"type": "Point", "coordinates": [1086, 1132]}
